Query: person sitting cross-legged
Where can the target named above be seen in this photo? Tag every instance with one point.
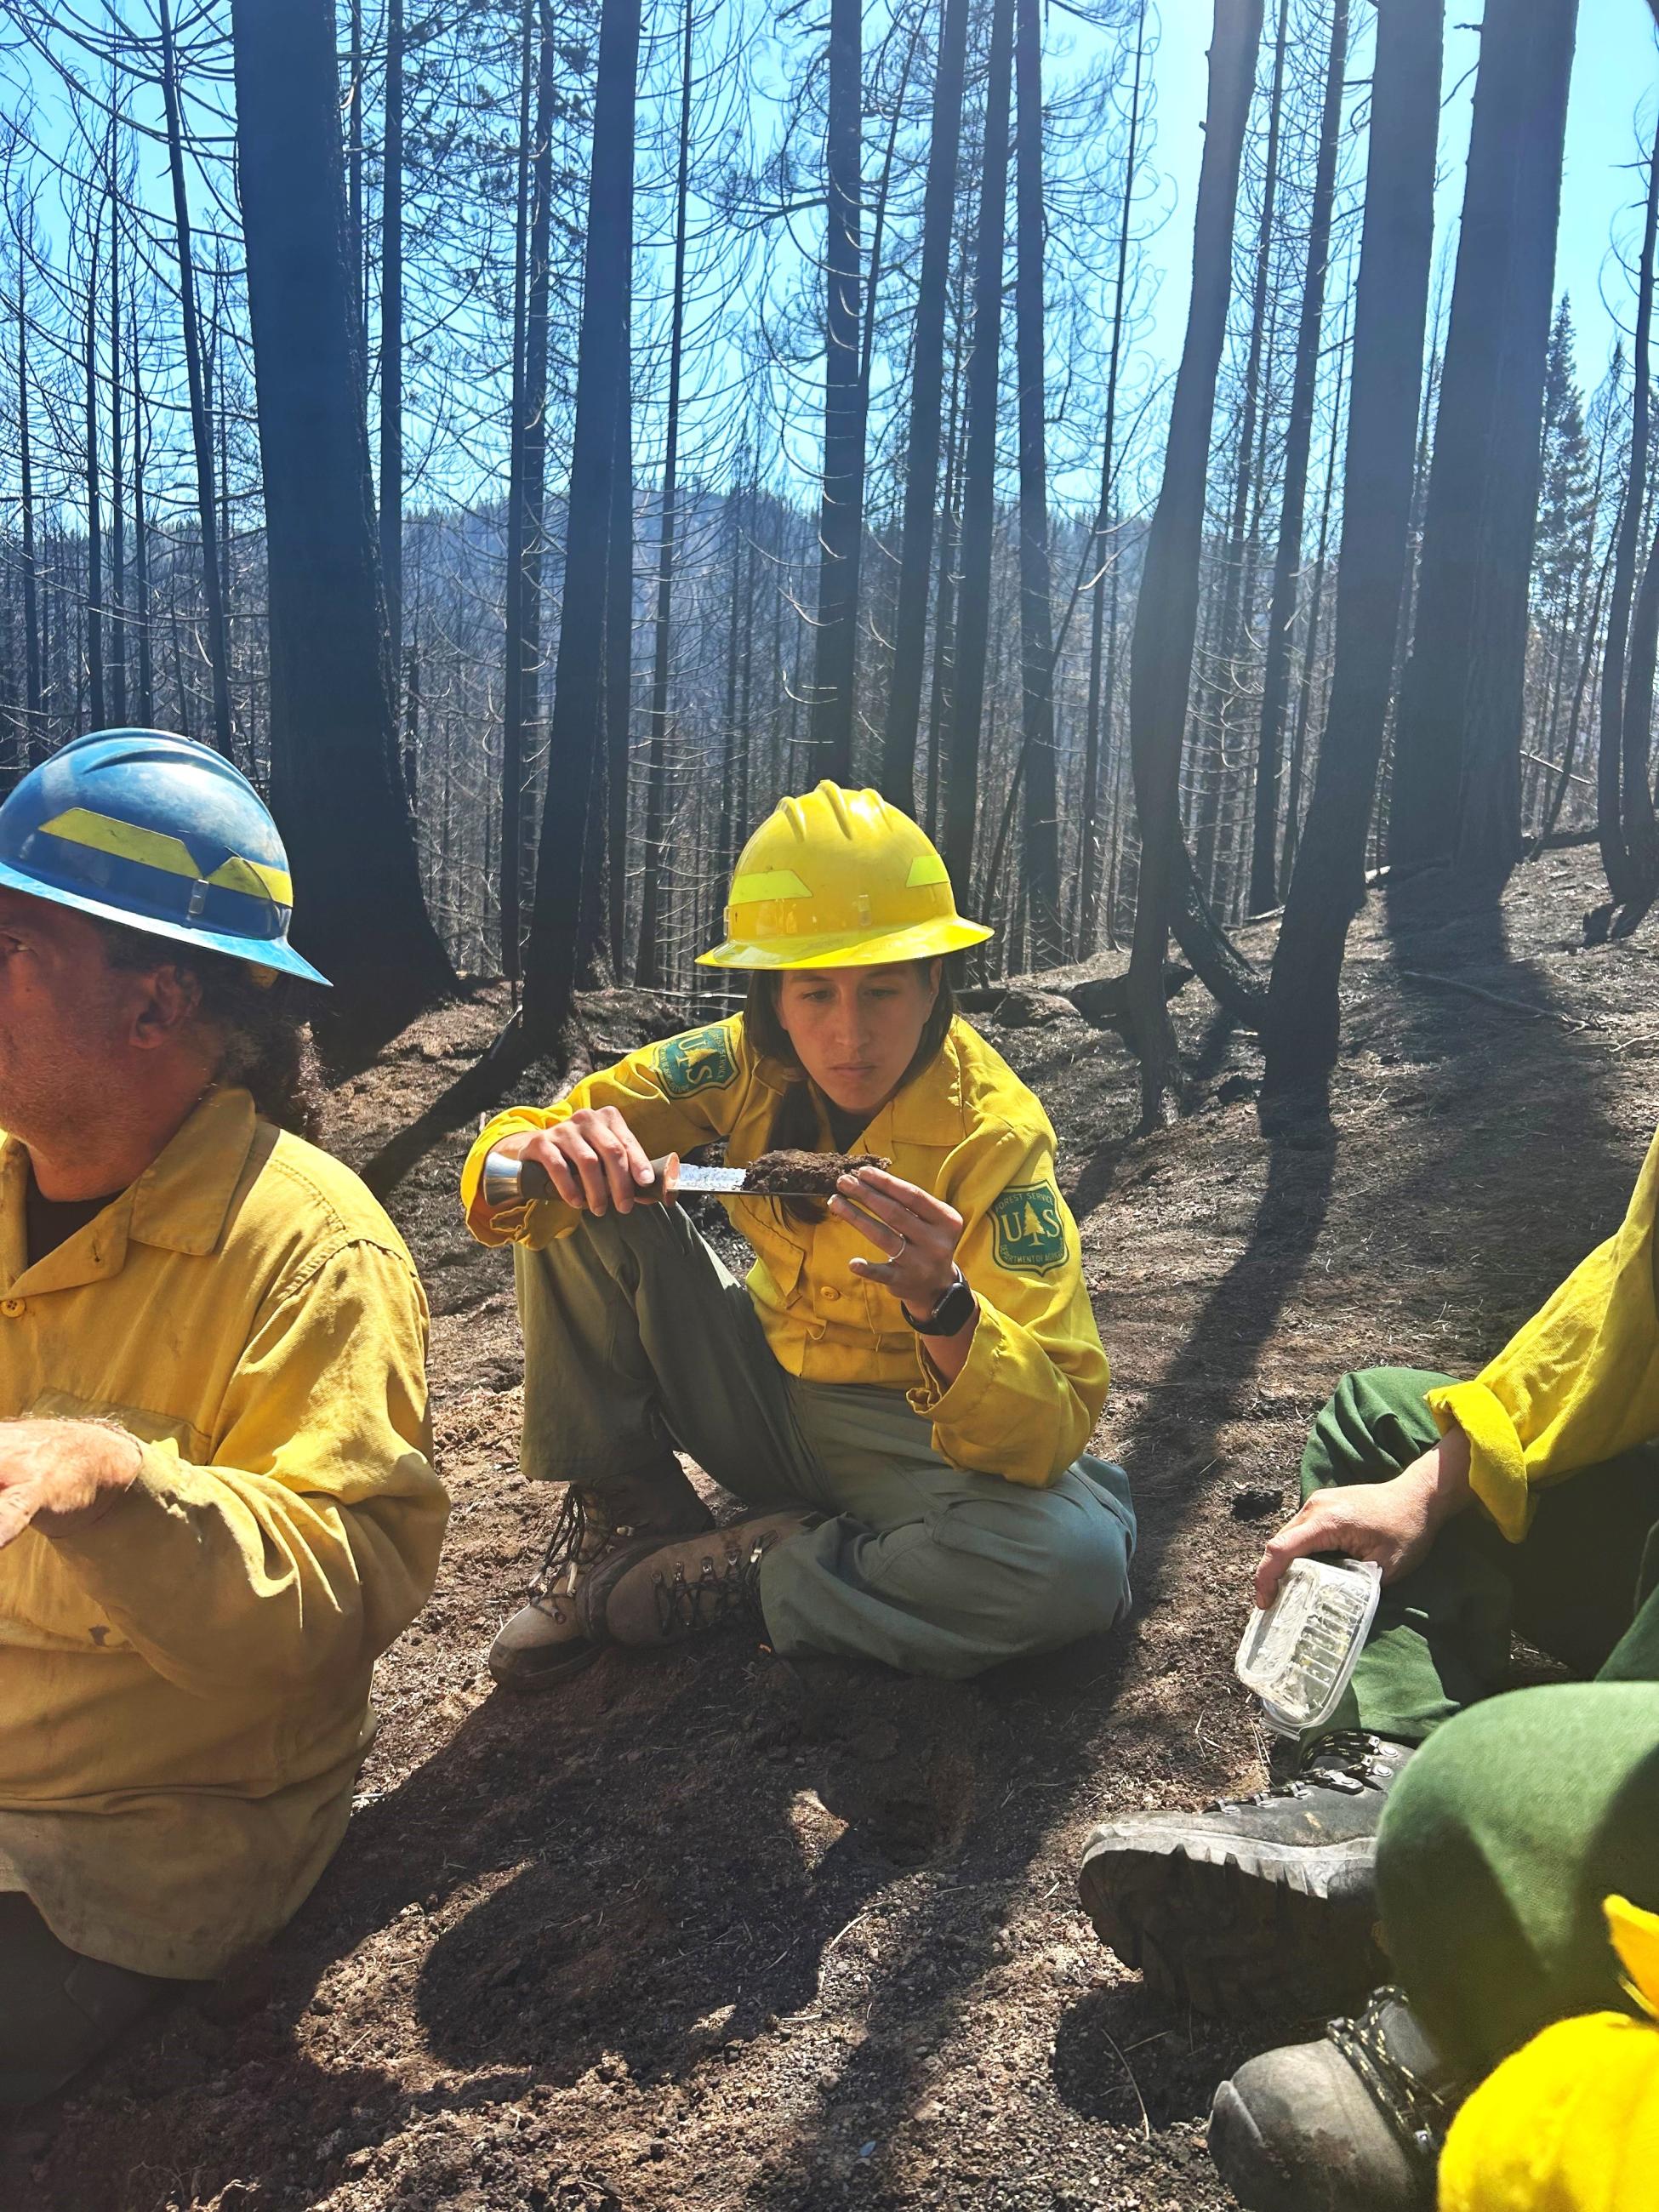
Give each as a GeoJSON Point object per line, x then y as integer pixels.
{"type": "Point", "coordinates": [217, 1506]}
{"type": "Point", "coordinates": [1527, 1500]}
{"type": "Point", "coordinates": [907, 1379]}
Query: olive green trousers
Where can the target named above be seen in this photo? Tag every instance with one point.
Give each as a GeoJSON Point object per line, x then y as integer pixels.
{"type": "Point", "coordinates": [638, 1339]}
{"type": "Point", "coordinates": [58, 2010]}
{"type": "Point", "coordinates": [1521, 1812]}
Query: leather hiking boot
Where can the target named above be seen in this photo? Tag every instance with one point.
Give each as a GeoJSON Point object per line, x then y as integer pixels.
{"type": "Point", "coordinates": [1263, 1901]}
{"type": "Point", "coordinates": [1352, 2124]}
{"type": "Point", "coordinates": [650, 1593]}
{"type": "Point", "coordinates": [543, 1641]}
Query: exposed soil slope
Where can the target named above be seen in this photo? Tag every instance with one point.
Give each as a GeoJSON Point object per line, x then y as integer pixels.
{"type": "Point", "coordinates": [719, 1933]}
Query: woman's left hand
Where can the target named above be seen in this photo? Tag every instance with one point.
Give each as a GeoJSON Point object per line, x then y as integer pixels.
{"type": "Point", "coordinates": [917, 1233]}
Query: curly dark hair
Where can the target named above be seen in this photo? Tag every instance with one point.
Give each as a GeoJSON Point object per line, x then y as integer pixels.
{"type": "Point", "coordinates": [259, 1018]}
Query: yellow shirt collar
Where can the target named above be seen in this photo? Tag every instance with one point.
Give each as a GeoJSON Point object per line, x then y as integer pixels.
{"type": "Point", "coordinates": [179, 1203]}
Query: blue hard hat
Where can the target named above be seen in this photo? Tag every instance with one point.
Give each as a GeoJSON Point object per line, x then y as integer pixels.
{"type": "Point", "coordinates": [159, 833]}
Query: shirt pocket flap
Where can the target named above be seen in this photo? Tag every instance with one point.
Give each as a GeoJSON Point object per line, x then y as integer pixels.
{"type": "Point", "coordinates": [780, 1263]}
{"type": "Point", "coordinates": [149, 1426]}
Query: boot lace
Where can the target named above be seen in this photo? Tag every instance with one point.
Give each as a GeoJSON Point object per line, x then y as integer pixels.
{"type": "Point", "coordinates": [719, 1590]}
{"type": "Point", "coordinates": [582, 1531]}
{"type": "Point", "coordinates": [1346, 1760]}
{"type": "Point", "coordinates": [1418, 2109]}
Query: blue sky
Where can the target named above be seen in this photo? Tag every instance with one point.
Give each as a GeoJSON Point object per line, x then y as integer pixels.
{"type": "Point", "coordinates": [1615, 75]}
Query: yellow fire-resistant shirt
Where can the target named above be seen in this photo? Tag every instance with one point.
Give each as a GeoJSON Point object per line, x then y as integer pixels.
{"type": "Point", "coordinates": [965, 1128]}
{"type": "Point", "coordinates": [184, 1686]}
{"type": "Point", "coordinates": [1570, 2123]}
{"type": "Point", "coordinates": [1578, 1384]}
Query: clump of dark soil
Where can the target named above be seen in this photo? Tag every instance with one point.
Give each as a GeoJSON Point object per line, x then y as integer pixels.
{"type": "Point", "coordinates": [805, 1174]}
{"type": "Point", "coordinates": [719, 1933]}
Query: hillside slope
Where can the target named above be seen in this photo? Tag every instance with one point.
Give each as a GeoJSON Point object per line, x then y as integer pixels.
{"type": "Point", "coordinates": [723, 1934]}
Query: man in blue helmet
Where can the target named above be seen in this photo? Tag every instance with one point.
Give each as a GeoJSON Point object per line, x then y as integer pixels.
{"type": "Point", "coordinates": [216, 1505]}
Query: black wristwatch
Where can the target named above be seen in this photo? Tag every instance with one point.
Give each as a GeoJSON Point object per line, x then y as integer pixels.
{"type": "Point", "coordinates": [954, 1311]}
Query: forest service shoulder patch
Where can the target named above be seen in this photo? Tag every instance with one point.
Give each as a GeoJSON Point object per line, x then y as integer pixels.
{"type": "Point", "coordinates": [700, 1060]}
{"type": "Point", "coordinates": [1030, 1229]}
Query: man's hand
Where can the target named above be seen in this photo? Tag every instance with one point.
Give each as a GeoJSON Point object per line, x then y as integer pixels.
{"type": "Point", "coordinates": [594, 1161]}
{"type": "Point", "coordinates": [61, 1476]}
{"type": "Point", "coordinates": [1392, 1523]}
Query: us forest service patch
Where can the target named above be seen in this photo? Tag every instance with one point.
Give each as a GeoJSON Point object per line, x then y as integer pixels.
{"type": "Point", "coordinates": [701, 1061]}
{"type": "Point", "coordinates": [1030, 1235]}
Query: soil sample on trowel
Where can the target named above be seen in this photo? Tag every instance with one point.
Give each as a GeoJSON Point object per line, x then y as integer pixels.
{"type": "Point", "coordinates": [805, 1174]}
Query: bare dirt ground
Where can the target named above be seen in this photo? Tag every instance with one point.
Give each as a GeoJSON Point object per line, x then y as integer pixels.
{"type": "Point", "coordinates": [730, 1934]}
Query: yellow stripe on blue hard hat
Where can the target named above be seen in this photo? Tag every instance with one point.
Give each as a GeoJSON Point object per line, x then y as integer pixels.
{"type": "Point", "coordinates": [257, 878]}
{"type": "Point", "coordinates": [154, 848]}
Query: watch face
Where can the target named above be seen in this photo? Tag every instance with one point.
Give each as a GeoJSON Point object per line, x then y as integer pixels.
{"type": "Point", "coordinates": [951, 1312]}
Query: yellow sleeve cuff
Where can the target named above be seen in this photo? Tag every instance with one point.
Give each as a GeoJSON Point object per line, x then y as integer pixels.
{"type": "Point", "coordinates": [971, 1424]}
{"type": "Point", "coordinates": [1497, 1467]}
{"type": "Point", "coordinates": [511, 1224]}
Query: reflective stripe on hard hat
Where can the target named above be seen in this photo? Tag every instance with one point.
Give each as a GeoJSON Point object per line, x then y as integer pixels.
{"type": "Point", "coordinates": [153, 848]}
{"type": "Point", "coordinates": [838, 879]}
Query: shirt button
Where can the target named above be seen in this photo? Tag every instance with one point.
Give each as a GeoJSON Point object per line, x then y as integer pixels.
{"type": "Point", "coordinates": [12, 1307]}
{"type": "Point", "coordinates": [830, 1294]}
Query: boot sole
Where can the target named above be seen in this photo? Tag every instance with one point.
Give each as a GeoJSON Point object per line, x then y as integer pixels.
{"type": "Point", "coordinates": [525, 1681]}
{"type": "Point", "coordinates": [1223, 1940]}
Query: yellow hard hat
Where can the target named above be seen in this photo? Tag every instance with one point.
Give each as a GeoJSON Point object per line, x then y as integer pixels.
{"type": "Point", "coordinates": [839, 879]}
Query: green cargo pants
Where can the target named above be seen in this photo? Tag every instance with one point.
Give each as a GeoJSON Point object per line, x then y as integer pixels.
{"type": "Point", "coordinates": [1502, 1838]}
{"type": "Point", "coordinates": [58, 2010]}
{"type": "Point", "coordinates": [637, 1338]}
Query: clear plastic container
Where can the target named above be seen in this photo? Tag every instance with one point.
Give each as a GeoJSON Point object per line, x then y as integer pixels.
{"type": "Point", "coordinates": [1298, 1656]}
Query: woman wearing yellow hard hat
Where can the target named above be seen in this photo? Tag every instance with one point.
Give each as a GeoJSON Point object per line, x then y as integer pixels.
{"type": "Point", "coordinates": [907, 1378]}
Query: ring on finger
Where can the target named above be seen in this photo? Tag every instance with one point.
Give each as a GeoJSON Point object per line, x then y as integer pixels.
{"type": "Point", "coordinates": [903, 1246]}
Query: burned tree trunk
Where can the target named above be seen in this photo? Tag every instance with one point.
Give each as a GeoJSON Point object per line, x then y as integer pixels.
{"type": "Point", "coordinates": [979, 471]}
{"type": "Point", "coordinates": [575, 735]}
{"type": "Point", "coordinates": [1390, 310]}
{"type": "Point", "coordinates": [1166, 617]}
{"type": "Point", "coordinates": [94, 505]}
{"type": "Point", "coordinates": [201, 428]}
{"type": "Point", "coordinates": [335, 785]}
{"type": "Point", "coordinates": [1287, 560]}
{"type": "Point", "coordinates": [1037, 620]}
{"type": "Point", "coordinates": [841, 520]}
{"type": "Point", "coordinates": [1100, 688]}
{"type": "Point", "coordinates": [1623, 867]}
{"type": "Point", "coordinates": [648, 965]}
{"type": "Point", "coordinates": [927, 400]}
{"type": "Point", "coordinates": [392, 341]}
{"type": "Point", "coordinates": [32, 662]}
{"type": "Point", "coordinates": [1456, 772]}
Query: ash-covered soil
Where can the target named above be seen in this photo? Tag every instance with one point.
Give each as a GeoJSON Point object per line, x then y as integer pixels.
{"type": "Point", "coordinates": [723, 1934]}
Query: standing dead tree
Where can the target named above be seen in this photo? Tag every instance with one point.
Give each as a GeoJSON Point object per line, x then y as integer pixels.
{"type": "Point", "coordinates": [334, 782]}
{"type": "Point", "coordinates": [1287, 560]}
{"type": "Point", "coordinates": [555, 955]}
{"type": "Point", "coordinates": [1457, 768]}
{"type": "Point", "coordinates": [1103, 659]}
{"type": "Point", "coordinates": [1036, 622]}
{"type": "Point", "coordinates": [1390, 312]}
{"type": "Point", "coordinates": [972, 627]}
{"type": "Point", "coordinates": [1166, 616]}
{"type": "Point", "coordinates": [926, 402]}
{"type": "Point", "coordinates": [200, 426]}
{"type": "Point", "coordinates": [1625, 807]}
{"type": "Point", "coordinates": [648, 966]}
{"type": "Point", "coordinates": [841, 522]}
